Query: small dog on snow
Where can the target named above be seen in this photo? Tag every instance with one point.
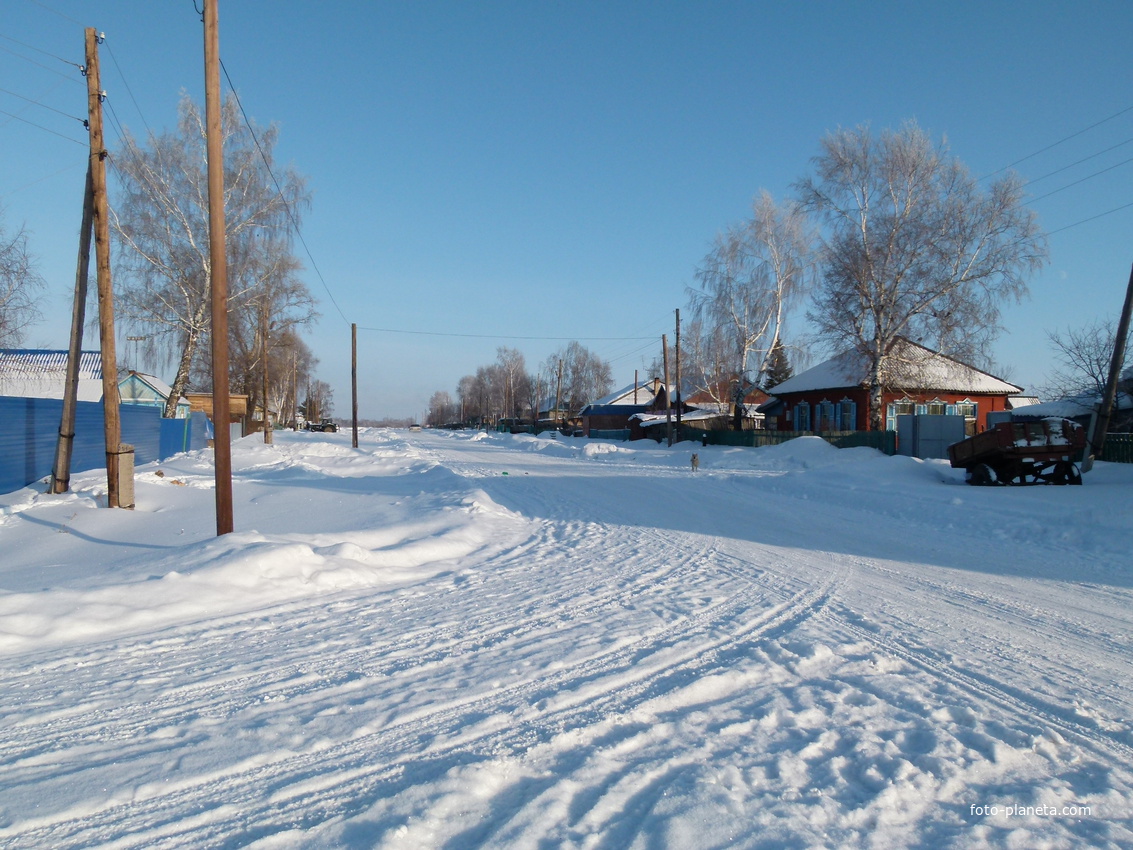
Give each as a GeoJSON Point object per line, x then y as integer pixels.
{"type": "Point", "coordinates": [695, 461]}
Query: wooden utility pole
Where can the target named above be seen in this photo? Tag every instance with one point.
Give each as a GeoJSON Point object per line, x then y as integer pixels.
{"type": "Point", "coordinates": [559, 395]}
{"type": "Point", "coordinates": [635, 386]}
{"type": "Point", "coordinates": [218, 275]}
{"type": "Point", "coordinates": [1115, 364]}
{"type": "Point", "coordinates": [100, 220]}
{"type": "Point", "coordinates": [61, 470]}
{"type": "Point", "coordinates": [668, 401]}
{"type": "Point", "coordinates": [678, 355]}
{"type": "Point", "coordinates": [269, 437]}
{"type": "Point", "coordinates": [354, 381]}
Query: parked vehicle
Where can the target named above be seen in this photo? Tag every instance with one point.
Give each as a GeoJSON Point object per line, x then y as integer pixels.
{"type": "Point", "coordinates": [1039, 452]}
{"type": "Point", "coordinates": [326, 425]}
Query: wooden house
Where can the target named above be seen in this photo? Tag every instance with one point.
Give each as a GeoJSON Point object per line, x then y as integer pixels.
{"type": "Point", "coordinates": [834, 395]}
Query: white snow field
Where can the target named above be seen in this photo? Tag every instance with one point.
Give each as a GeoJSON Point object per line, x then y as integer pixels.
{"type": "Point", "coordinates": [468, 640]}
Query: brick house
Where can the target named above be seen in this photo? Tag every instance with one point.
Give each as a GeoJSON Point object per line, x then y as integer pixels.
{"type": "Point", "coordinates": [834, 395]}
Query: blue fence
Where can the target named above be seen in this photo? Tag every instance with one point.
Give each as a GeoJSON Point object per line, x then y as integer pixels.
{"type": "Point", "coordinates": [30, 431]}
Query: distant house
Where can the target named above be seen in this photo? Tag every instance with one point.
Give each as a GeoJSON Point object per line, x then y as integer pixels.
{"type": "Point", "coordinates": [834, 395]}
{"type": "Point", "coordinates": [718, 400]}
{"type": "Point", "coordinates": [32, 373]}
{"type": "Point", "coordinates": [237, 405]}
{"type": "Point", "coordinates": [617, 410]}
{"type": "Point", "coordinates": [146, 390]}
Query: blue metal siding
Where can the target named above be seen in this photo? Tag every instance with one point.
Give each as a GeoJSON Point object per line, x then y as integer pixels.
{"type": "Point", "coordinates": [31, 428]}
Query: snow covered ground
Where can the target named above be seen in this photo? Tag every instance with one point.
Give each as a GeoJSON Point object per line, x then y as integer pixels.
{"type": "Point", "coordinates": [467, 640]}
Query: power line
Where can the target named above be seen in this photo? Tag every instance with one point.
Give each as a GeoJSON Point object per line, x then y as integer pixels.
{"type": "Point", "coordinates": [1060, 141]}
{"type": "Point", "coordinates": [38, 50]}
{"type": "Point", "coordinates": [39, 64]}
{"type": "Point", "coordinates": [1034, 180]}
{"type": "Point", "coordinates": [40, 127]}
{"type": "Point", "coordinates": [506, 336]}
{"type": "Point", "coordinates": [129, 91]}
{"type": "Point", "coordinates": [282, 197]}
{"type": "Point", "coordinates": [41, 179]}
{"type": "Point", "coordinates": [45, 106]}
{"type": "Point", "coordinates": [1091, 218]}
{"type": "Point", "coordinates": [1081, 180]}
{"type": "Point", "coordinates": [57, 12]}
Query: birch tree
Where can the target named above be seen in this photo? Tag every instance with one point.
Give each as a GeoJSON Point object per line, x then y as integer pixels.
{"type": "Point", "coordinates": [160, 220]}
{"type": "Point", "coordinates": [754, 274]}
{"type": "Point", "coordinates": [913, 248]}
{"type": "Point", "coordinates": [20, 287]}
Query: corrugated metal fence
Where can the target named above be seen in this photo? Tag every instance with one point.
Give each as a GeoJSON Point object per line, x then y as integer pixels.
{"type": "Point", "coordinates": [29, 430]}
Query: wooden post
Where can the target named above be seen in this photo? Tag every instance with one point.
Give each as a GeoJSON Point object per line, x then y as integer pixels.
{"type": "Point", "coordinates": [218, 275]}
{"type": "Point", "coordinates": [269, 437]}
{"type": "Point", "coordinates": [1115, 364]}
{"type": "Point", "coordinates": [559, 395]}
{"type": "Point", "coordinates": [101, 224]}
{"type": "Point", "coordinates": [354, 381]}
{"type": "Point", "coordinates": [668, 401]}
{"type": "Point", "coordinates": [61, 470]}
{"type": "Point", "coordinates": [678, 355]}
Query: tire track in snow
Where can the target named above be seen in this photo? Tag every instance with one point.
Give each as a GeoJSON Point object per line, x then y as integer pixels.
{"type": "Point", "coordinates": [1014, 701]}
{"type": "Point", "coordinates": [342, 780]}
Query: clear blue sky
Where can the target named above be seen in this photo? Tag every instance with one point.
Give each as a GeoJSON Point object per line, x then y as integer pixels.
{"type": "Point", "coordinates": [557, 170]}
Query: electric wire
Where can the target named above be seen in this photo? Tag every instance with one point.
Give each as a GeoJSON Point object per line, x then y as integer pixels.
{"type": "Point", "coordinates": [42, 179]}
{"type": "Point", "coordinates": [38, 50]}
{"type": "Point", "coordinates": [1031, 181]}
{"type": "Point", "coordinates": [129, 91]}
{"type": "Point", "coordinates": [38, 64]}
{"type": "Point", "coordinates": [283, 198]}
{"type": "Point", "coordinates": [1091, 218]}
{"type": "Point", "coordinates": [57, 12]}
{"type": "Point", "coordinates": [44, 106]}
{"type": "Point", "coordinates": [505, 336]}
{"type": "Point", "coordinates": [1081, 180]}
{"type": "Point", "coordinates": [40, 127]}
{"type": "Point", "coordinates": [1073, 135]}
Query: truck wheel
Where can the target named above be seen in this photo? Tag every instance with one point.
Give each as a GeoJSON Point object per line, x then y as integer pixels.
{"type": "Point", "coordinates": [982, 475]}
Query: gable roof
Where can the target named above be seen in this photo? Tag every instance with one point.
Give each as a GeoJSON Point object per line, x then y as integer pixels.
{"type": "Point", "coordinates": [919, 368]}
{"type": "Point", "coordinates": [140, 387]}
{"type": "Point", "coordinates": [35, 373]}
{"type": "Point", "coordinates": [625, 397]}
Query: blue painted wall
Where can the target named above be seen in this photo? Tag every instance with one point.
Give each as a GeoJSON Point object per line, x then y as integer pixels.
{"type": "Point", "coordinates": [29, 430]}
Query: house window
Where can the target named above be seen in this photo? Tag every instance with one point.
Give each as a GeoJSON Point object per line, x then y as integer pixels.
{"type": "Point", "coordinates": [824, 414]}
{"type": "Point", "coordinates": [899, 408]}
{"type": "Point", "coordinates": [967, 408]}
{"type": "Point", "coordinates": [847, 414]}
{"type": "Point", "coordinates": [802, 417]}
{"type": "Point", "coordinates": [936, 407]}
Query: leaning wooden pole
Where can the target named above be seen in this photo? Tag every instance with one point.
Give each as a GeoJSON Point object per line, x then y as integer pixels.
{"type": "Point", "coordinates": [218, 276]}
{"type": "Point", "coordinates": [668, 400]}
{"type": "Point", "coordinates": [1115, 364]}
{"type": "Point", "coordinates": [101, 226]}
{"type": "Point", "coordinates": [61, 469]}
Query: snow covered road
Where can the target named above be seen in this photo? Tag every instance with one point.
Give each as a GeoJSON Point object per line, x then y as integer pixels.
{"type": "Point", "coordinates": [455, 640]}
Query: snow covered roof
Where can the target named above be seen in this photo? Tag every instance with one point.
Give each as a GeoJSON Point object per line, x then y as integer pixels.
{"type": "Point", "coordinates": [34, 373]}
{"type": "Point", "coordinates": [648, 420]}
{"type": "Point", "coordinates": [917, 368]}
{"type": "Point", "coordinates": [138, 386]}
{"type": "Point", "coordinates": [625, 396]}
{"type": "Point", "coordinates": [1069, 408]}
